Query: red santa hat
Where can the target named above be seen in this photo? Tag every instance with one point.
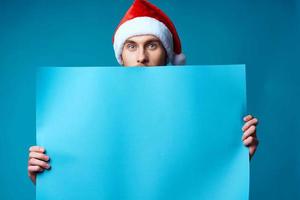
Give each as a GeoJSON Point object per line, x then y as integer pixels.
{"type": "Point", "coordinates": [145, 18]}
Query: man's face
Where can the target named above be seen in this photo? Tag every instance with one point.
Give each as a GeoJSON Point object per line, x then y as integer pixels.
{"type": "Point", "coordinates": [143, 50]}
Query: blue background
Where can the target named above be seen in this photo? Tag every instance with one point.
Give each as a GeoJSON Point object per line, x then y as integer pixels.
{"type": "Point", "coordinates": [262, 34]}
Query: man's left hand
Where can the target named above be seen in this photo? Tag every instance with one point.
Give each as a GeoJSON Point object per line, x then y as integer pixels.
{"type": "Point", "coordinates": [249, 136]}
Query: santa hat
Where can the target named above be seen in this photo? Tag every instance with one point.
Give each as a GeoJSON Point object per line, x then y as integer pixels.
{"type": "Point", "coordinates": [145, 18]}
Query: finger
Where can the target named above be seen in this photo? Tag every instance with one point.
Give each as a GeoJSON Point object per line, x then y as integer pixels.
{"type": "Point", "coordinates": [252, 150]}
{"type": "Point", "coordinates": [36, 162]}
{"type": "Point", "coordinates": [248, 117]}
{"type": "Point", "coordinates": [39, 156]}
{"type": "Point", "coordinates": [250, 141]}
{"type": "Point", "coordinates": [35, 169]}
{"type": "Point", "coordinates": [250, 131]}
{"type": "Point", "coordinates": [32, 176]}
{"type": "Point", "coordinates": [36, 149]}
{"type": "Point", "coordinates": [253, 121]}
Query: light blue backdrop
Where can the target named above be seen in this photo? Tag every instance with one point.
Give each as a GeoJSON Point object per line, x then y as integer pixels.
{"type": "Point", "coordinates": [262, 34]}
{"type": "Point", "coordinates": [142, 133]}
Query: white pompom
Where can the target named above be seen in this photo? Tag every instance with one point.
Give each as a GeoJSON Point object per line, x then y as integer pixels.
{"type": "Point", "coordinates": [179, 59]}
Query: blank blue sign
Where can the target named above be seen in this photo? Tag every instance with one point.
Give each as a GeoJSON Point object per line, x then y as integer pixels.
{"type": "Point", "coordinates": [142, 133]}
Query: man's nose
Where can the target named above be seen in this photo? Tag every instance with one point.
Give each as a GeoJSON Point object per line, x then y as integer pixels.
{"type": "Point", "coordinates": [142, 56]}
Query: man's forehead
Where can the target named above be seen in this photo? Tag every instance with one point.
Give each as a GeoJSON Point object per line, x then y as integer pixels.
{"type": "Point", "coordinates": [142, 39]}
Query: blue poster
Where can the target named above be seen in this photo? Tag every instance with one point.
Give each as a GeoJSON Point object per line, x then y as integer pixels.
{"type": "Point", "coordinates": [142, 133]}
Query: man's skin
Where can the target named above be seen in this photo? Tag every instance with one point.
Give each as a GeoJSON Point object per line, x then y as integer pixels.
{"type": "Point", "coordinates": [142, 50]}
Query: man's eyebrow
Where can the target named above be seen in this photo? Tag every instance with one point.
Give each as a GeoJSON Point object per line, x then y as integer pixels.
{"type": "Point", "coordinates": [129, 41]}
{"type": "Point", "coordinates": [153, 40]}
{"type": "Point", "coordinates": [147, 42]}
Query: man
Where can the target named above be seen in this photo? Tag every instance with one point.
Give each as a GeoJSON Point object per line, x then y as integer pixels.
{"type": "Point", "coordinates": [144, 37]}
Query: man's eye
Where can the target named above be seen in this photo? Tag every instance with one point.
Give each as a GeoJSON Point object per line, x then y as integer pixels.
{"type": "Point", "coordinates": [152, 46]}
{"type": "Point", "coordinates": [130, 46]}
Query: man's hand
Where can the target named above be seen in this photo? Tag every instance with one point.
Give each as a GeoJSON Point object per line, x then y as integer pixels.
{"type": "Point", "coordinates": [249, 137]}
{"type": "Point", "coordinates": [37, 162]}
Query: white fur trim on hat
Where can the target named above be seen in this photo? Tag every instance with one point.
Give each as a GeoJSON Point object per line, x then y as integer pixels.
{"type": "Point", "coordinates": [143, 26]}
{"type": "Point", "coordinates": [179, 59]}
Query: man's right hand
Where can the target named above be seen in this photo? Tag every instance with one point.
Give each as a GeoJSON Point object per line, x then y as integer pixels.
{"type": "Point", "coordinates": [37, 162]}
